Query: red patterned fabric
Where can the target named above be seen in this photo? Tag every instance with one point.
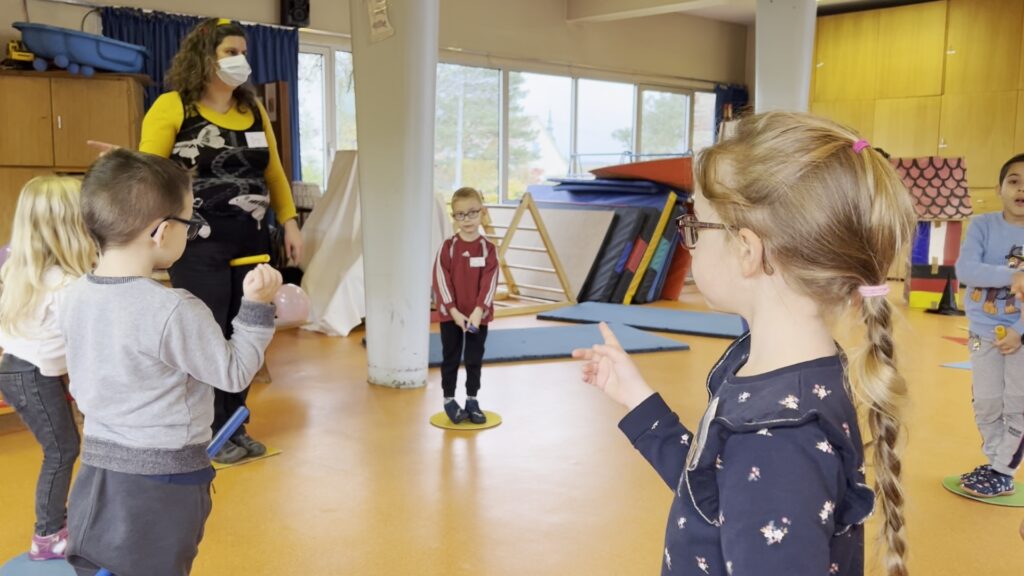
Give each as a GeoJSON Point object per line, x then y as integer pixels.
{"type": "Point", "coordinates": [938, 185]}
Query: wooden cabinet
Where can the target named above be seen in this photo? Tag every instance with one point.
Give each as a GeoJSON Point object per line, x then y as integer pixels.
{"type": "Point", "coordinates": [11, 182]}
{"type": "Point", "coordinates": [857, 114]}
{"type": "Point", "coordinates": [25, 120]}
{"type": "Point", "coordinates": [983, 46]}
{"type": "Point", "coordinates": [907, 127]}
{"type": "Point", "coordinates": [985, 199]}
{"type": "Point", "coordinates": [1018, 139]}
{"type": "Point", "coordinates": [980, 128]}
{"type": "Point", "coordinates": [46, 120]}
{"type": "Point", "coordinates": [911, 50]}
{"type": "Point", "coordinates": [846, 57]}
{"type": "Point", "coordinates": [98, 109]}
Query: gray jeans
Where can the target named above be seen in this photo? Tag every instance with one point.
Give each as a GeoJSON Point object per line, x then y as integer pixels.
{"type": "Point", "coordinates": [42, 403]}
{"type": "Point", "coordinates": [998, 403]}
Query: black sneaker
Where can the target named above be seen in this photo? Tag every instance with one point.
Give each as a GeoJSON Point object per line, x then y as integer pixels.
{"type": "Point", "coordinates": [455, 412]}
{"type": "Point", "coordinates": [252, 447]}
{"type": "Point", "coordinates": [476, 415]}
{"type": "Point", "coordinates": [229, 453]}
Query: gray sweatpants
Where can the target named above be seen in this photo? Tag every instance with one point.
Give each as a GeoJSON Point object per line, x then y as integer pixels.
{"type": "Point", "coordinates": [998, 403]}
{"type": "Point", "coordinates": [133, 525]}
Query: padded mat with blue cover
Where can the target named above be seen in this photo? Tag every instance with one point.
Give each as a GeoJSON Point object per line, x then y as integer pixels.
{"type": "Point", "coordinates": [651, 318]}
{"type": "Point", "coordinates": [517, 344]}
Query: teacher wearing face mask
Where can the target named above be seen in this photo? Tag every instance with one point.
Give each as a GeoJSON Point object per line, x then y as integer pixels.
{"type": "Point", "coordinates": [212, 124]}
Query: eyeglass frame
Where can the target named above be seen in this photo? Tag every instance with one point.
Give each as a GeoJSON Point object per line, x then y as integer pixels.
{"type": "Point", "coordinates": [470, 214]}
{"type": "Point", "coordinates": [688, 222]}
{"type": "Point", "coordinates": [195, 225]}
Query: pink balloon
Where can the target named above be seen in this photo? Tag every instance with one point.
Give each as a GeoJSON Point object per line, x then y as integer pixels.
{"type": "Point", "coordinates": [292, 306]}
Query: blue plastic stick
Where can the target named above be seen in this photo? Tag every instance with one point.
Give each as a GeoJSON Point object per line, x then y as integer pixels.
{"type": "Point", "coordinates": [225, 432]}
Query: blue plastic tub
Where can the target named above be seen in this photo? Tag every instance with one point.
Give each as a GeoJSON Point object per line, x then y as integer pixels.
{"type": "Point", "coordinates": [79, 51]}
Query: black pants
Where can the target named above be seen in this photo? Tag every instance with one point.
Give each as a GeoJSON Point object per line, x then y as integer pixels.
{"type": "Point", "coordinates": [204, 271]}
{"type": "Point", "coordinates": [458, 345]}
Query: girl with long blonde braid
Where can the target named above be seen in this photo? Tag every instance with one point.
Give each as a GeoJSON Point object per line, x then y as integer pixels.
{"type": "Point", "coordinates": [798, 221]}
{"type": "Point", "coordinates": [49, 247]}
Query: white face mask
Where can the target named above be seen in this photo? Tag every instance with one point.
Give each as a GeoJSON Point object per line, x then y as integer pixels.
{"type": "Point", "coordinates": [234, 70]}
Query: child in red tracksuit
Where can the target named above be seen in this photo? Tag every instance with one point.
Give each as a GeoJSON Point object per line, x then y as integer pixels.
{"type": "Point", "coordinates": [465, 280]}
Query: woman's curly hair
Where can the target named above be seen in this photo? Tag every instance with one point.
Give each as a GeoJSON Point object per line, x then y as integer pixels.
{"type": "Point", "coordinates": [196, 63]}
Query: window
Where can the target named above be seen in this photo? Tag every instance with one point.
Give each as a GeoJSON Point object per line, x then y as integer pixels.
{"type": "Point", "coordinates": [540, 129]}
{"type": "Point", "coordinates": [604, 125]}
{"type": "Point", "coordinates": [664, 122]}
{"type": "Point", "coordinates": [312, 117]}
{"type": "Point", "coordinates": [703, 120]}
{"type": "Point", "coordinates": [345, 96]}
{"type": "Point", "coordinates": [466, 129]}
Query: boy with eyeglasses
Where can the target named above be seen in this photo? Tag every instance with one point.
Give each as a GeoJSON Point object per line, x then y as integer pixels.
{"type": "Point", "coordinates": [143, 361]}
{"type": "Point", "coordinates": [465, 280]}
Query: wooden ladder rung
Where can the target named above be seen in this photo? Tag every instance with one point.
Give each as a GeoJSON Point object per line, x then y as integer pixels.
{"type": "Point", "coordinates": [531, 268]}
{"type": "Point", "coordinates": [541, 288]}
{"type": "Point", "coordinates": [533, 299]}
{"type": "Point", "coordinates": [528, 249]}
{"type": "Point", "coordinates": [494, 237]}
{"type": "Point", "coordinates": [503, 227]}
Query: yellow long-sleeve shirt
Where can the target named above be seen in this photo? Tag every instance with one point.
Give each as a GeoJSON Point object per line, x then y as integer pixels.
{"type": "Point", "coordinates": [164, 119]}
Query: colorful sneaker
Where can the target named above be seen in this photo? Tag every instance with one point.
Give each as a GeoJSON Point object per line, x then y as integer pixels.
{"type": "Point", "coordinates": [49, 547]}
{"type": "Point", "coordinates": [978, 472]}
{"type": "Point", "coordinates": [229, 453]}
{"type": "Point", "coordinates": [455, 412]}
{"type": "Point", "coordinates": [252, 447]}
{"type": "Point", "coordinates": [476, 415]}
{"type": "Point", "coordinates": [990, 485]}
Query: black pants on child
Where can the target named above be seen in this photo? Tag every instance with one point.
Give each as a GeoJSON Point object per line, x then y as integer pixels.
{"type": "Point", "coordinates": [453, 341]}
{"type": "Point", "coordinates": [204, 271]}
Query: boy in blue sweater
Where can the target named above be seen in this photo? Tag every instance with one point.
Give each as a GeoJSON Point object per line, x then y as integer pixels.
{"type": "Point", "coordinates": [989, 267]}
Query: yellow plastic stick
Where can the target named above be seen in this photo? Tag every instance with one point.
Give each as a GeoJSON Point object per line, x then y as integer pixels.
{"type": "Point", "coordinates": [246, 260]}
{"type": "Point", "coordinates": [1000, 332]}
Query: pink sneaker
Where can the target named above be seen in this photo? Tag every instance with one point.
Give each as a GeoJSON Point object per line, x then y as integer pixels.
{"type": "Point", "coordinates": [49, 547]}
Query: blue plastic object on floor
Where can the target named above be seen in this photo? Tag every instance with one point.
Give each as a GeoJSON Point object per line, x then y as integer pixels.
{"type": "Point", "coordinates": [80, 51]}
{"type": "Point", "coordinates": [557, 342]}
{"type": "Point", "coordinates": [22, 566]}
{"type": "Point", "coordinates": [652, 318]}
{"type": "Point", "coordinates": [958, 365]}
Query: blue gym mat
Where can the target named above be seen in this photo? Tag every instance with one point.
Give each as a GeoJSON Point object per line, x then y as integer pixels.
{"type": "Point", "coordinates": [22, 566]}
{"type": "Point", "coordinates": [557, 342]}
{"type": "Point", "coordinates": [651, 318]}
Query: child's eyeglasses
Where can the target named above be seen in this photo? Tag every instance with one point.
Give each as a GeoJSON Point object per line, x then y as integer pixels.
{"type": "Point", "coordinates": [460, 216]}
{"type": "Point", "coordinates": [197, 226]}
{"type": "Point", "coordinates": [689, 227]}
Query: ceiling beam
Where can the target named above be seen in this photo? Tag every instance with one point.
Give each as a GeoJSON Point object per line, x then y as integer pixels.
{"type": "Point", "coordinates": [577, 11]}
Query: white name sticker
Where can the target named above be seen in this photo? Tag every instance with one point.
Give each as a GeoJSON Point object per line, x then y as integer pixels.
{"type": "Point", "coordinates": [256, 139]}
{"type": "Point", "coordinates": [477, 262]}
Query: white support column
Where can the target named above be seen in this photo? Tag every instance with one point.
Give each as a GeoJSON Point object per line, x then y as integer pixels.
{"type": "Point", "coordinates": [394, 80]}
{"type": "Point", "coordinates": [785, 47]}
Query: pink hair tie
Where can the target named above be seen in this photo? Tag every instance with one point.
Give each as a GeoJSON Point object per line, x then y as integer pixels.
{"type": "Point", "coordinates": [860, 145]}
{"type": "Point", "coordinates": [873, 291]}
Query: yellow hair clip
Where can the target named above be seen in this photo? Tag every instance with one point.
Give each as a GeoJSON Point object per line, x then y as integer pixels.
{"type": "Point", "coordinates": [223, 22]}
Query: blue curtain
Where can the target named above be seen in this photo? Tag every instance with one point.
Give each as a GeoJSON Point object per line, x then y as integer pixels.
{"type": "Point", "coordinates": [273, 55]}
{"type": "Point", "coordinates": [729, 94]}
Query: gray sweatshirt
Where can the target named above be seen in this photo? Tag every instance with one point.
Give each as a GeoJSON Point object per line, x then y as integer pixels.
{"type": "Point", "coordinates": [143, 360]}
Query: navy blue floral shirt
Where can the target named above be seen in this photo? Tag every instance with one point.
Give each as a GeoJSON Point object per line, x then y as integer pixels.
{"type": "Point", "coordinates": [772, 483]}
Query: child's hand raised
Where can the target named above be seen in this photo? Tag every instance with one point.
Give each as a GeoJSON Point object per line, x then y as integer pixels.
{"type": "Point", "coordinates": [610, 369]}
{"type": "Point", "coordinates": [261, 284]}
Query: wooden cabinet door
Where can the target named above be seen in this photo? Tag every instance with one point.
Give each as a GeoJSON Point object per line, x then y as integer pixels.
{"type": "Point", "coordinates": [11, 182]}
{"type": "Point", "coordinates": [980, 128]}
{"type": "Point", "coordinates": [985, 200]}
{"type": "Point", "coordinates": [983, 46]}
{"type": "Point", "coordinates": [846, 57]}
{"type": "Point", "coordinates": [89, 109]}
{"type": "Point", "coordinates": [908, 127]}
{"type": "Point", "coordinates": [857, 114]}
{"type": "Point", "coordinates": [911, 50]}
{"type": "Point", "coordinates": [25, 121]}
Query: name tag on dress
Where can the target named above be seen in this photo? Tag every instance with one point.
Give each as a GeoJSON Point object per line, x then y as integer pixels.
{"type": "Point", "coordinates": [256, 139]}
{"type": "Point", "coordinates": [477, 262]}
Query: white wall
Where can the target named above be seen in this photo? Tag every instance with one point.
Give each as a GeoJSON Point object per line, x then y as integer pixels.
{"type": "Point", "coordinates": [671, 45]}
